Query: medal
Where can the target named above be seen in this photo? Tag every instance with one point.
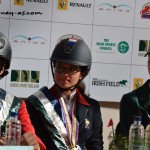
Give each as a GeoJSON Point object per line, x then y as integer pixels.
{"type": "Point", "coordinates": [77, 147]}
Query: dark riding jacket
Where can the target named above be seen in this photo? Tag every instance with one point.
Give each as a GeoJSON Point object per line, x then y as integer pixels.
{"type": "Point", "coordinates": [132, 104]}
{"type": "Point", "coordinates": [87, 109]}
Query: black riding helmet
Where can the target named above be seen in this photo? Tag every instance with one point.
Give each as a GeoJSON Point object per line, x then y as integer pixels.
{"type": "Point", "coordinates": [5, 53]}
{"type": "Point", "coordinates": [72, 51]}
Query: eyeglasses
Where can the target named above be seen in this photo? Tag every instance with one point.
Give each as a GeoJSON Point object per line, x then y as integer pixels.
{"type": "Point", "coordinates": [71, 70]}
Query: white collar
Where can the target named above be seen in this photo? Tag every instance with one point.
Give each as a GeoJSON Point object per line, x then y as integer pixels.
{"type": "Point", "coordinates": [71, 96]}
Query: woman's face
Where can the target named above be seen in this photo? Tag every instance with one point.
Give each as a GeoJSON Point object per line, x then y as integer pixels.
{"type": "Point", "coordinates": [66, 75]}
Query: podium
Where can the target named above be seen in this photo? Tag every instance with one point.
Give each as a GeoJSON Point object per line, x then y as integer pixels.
{"type": "Point", "coordinates": [16, 147]}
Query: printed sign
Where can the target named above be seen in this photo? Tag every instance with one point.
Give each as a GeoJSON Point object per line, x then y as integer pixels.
{"type": "Point", "coordinates": [16, 147]}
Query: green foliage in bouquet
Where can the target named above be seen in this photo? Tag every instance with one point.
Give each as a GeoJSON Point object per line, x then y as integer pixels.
{"type": "Point", "coordinates": [117, 142]}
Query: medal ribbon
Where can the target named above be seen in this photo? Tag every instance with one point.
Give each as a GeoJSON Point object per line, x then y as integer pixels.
{"type": "Point", "coordinates": [72, 128]}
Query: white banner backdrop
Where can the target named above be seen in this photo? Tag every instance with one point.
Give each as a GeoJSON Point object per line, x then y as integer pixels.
{"type": "Point", "coordinates": [117, 33]}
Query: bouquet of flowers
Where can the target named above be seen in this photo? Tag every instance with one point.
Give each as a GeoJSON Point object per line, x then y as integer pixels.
{"type": "Point", "coordinates": [116, 142]}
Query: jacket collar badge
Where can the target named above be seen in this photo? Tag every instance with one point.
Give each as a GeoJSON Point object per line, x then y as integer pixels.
{"type": "Point", "coordinates": [87, 123]}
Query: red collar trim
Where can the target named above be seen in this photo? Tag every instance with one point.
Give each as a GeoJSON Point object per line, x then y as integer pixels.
{"type": "Point", "coordinates": [81, 99]}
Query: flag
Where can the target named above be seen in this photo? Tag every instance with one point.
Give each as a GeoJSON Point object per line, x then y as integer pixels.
{"type": "Point", "coordinates": [71, 41]}
{"type": "Point", "coordinates": [110, 123]}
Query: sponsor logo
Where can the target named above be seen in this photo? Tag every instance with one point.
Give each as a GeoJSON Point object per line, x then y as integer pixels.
{"type": "Point", "coordinates": [63, 5]}
{"type": "Point", "coordinates": [144, 45]}
{"type": "Point", "coordinates": [106, 46]}
{"type": "Point", "coordinates": [37, 1]}
{"type": "Point", "coordinates": [121, 8]}
{"type": "Point", "coordinates": [20, 13]}
{"type": "Point", "coordinates": [107, 83]}
{"type": "Point", "coordinates": [83, 5]}
{"type": "Point", "coordinates": [22, 39]}
{"type": "Point", "coordinates": [19, 2]}
{"type": "Point", "coordinates": [25, 78]}
{"type": "Point", "coordinates": [123, 47]}
{"type": "Point", "coordinates": [137, 82]}
{"type": "Point", "coordinates": [145, 12]}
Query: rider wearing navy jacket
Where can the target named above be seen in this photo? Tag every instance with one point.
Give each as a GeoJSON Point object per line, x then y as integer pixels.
{"type": "Point", "coordinates": [63, 116]}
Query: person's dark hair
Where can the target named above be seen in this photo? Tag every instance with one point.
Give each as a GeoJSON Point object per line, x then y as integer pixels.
{"type": "Point", "coordinates": [82, 88]}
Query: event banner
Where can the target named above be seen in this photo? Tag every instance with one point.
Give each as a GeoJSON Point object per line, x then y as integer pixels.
{"type": "Point", "coordinates": [117, 33]}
